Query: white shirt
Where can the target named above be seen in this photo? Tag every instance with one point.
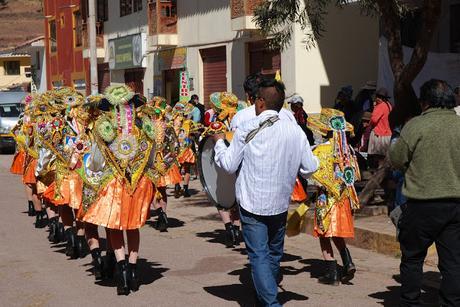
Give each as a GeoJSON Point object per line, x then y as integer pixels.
{"type": "Point", "coordinates": [268, 165]}
{"type": "Point", "coordinates": [250, 113]}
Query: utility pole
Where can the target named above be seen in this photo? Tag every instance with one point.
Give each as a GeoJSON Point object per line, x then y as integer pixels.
{"type": "Point", "coordinates": [92, 46]}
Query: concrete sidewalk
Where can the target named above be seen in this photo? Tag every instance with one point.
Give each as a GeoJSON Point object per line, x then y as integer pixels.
{"type": "Point", "coordinates": [186, 266]}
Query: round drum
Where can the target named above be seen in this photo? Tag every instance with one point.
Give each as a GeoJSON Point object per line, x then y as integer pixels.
{"type": "Point", "coordinates": [218, 184]}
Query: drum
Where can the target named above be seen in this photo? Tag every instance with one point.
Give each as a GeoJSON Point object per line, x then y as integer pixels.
{"type": "Point", "coordinates": [218, 184]}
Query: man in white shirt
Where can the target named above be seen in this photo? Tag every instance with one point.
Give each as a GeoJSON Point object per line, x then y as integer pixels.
{"type": "Point", "coordinates": [251, 88]}
{"type": "Point", "coordinates": [268, 153]}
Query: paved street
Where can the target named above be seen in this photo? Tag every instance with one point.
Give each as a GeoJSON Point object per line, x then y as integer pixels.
{"type": "Point", "coordinates": [186, 266]}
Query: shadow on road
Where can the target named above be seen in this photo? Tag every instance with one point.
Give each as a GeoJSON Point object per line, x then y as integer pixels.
{"type": "Point", "coordinates": [244, 293]}
{"type": "Point", "coordinates": [148, 271]}
{"type": "Point", "coordinates": [429, 296]}
{"type": "Point", "coordinates": [172, 223]}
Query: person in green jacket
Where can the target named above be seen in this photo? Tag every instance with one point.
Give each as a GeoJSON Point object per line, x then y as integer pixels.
{"type": "Point", "coordinates": [428, 152]}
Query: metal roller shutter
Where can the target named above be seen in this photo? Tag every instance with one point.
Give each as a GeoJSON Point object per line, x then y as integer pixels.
{"type": "Point", "coordinates": [214, 71]}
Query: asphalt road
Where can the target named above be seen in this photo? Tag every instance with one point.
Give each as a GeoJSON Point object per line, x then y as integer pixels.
{"type": "Point", "coordinates": [186, 266]}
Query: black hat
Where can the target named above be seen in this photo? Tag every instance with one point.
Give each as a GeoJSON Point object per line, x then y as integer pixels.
{"type": "Point", "coordinates": [382, 93]}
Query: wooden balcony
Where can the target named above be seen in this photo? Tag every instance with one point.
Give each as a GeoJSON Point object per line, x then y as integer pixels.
{"type": "Point", "coordinates": [163, 22]}
{"type": "Point", "coordinates": [242, 12]}
{"type": "Point", "coordinates": [99, 39]}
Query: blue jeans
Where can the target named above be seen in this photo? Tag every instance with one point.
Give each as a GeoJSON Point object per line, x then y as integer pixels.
{"type": "Point", "coordinates": [264, 238]}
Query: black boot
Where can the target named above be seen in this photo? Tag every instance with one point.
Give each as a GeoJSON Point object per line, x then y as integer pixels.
{"type": "Point", "coordinates": [109, 264]}
{"type": "Point", "coordinates": [122, 278]}
{"type": "Point", "coordinates": [331, 276]}
{"type": "Point", "coordinates": [162, 222]}
{"type": "Point", "coordinates": [53, 230]}
{"type": "Point", "coordinates": [229, 235]}
{"type": "Point", "coordinates": [237, 236]}
{"type": "Point", "coordinates": [61, 232]}
{"type": "Point", "coordinates": [82, 246]}
{"type": "Point", "coordinates": [186, 191]}
{"type": "Point", "coordinates": [349, 268]}
{"type": "Point", "coordinates": [97, 264]}
{"type": "Point", "coordinates": [71, 247]}
{"type": "Point", "coordinates": [177, 191]}
{"type": "Point", "coordinates": [40, 219]}
{"type": "Point", "coordinates": [133, 279]}
{"type": "Point", "coordinates": [31, 210]}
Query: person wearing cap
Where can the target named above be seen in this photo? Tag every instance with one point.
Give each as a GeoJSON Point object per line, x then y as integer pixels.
{"type": "Point", "coordinates": [301, 116]}
{"type": "Point", "coordinates": [380, 137]}
{"type": "Point", "coordinates": [335, 193]}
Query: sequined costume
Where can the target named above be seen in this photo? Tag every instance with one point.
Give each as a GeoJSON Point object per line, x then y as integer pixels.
{"type": "Point", "coordinates": [122, 151]}
{"type": "Point", "coordinates": [335, 177]}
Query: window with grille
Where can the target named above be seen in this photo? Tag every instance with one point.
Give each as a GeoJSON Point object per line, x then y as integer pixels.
{"type": "Point", "coordinates": [12, 68]}
{"type": "Point", "coordinates": [78, 29]}
{"type": "Point", "coordinates": [53, 40]}
{"type": "Point", "coordinates": [137, 5]}
{"type": "Point", "coordinates": [126, 7]}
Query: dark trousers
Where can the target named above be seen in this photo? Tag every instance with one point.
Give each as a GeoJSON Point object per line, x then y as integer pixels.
{"type": "Point", "coordinates": [421, 224]}
{"type": "Point", "coordinates": [264, 239]}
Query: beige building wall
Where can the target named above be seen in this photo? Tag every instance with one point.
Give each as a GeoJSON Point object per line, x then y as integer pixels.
{"type": "Point", "coordinates": [8, 80]}
{"type": "Point", "coordinates": [346, 55]}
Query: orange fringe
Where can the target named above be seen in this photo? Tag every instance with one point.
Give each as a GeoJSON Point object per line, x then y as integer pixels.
{"type": "Point", "coordinates": [116, 208]}
{"type": "Point", "coordinates": [17, 167]}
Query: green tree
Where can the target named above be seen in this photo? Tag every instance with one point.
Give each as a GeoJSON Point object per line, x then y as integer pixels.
{"type": "Point", "coordinates": [276, 18]}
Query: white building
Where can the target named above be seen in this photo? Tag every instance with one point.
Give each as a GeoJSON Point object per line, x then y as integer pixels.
{"type": "Point", "coordinates": [147, 44]}
{"type": "Point", "coordinates": [125, 40]}
{"type": "Point", "coordinates": [218, 44]}
{"type": "Point", "coordinates": [35, 48]}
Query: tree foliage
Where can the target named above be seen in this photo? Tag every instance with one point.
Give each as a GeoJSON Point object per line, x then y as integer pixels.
{"type": "Point", "coordinates": [276, 19]}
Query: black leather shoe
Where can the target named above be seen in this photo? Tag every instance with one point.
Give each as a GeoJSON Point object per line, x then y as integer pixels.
{"type": "Point", "coordinates": [177, 191]}
{"type": "Point", "coordinates": [40, 219]}
{"type": "Point", "coordinates": [331, 276]}
{"type": "Point", "coordinates": [133, 279]}
{"type": "Point", "coordinates": [53, 230]}
{"type": "Point", "coordinates": [122, 278]}
{"type": "Point", "coordinates": [349, 268]}
{"type": "Point", "coordinates": [97, 264]}
{"type": "Point", "coordinates": [61, 233]}
{"type": "Point", "coordinates": [82, 246]}
{"type": "Point", "coordinates": [109, 265]}
{"type": "Point", "coordinates": [31, 209]}
{"type": "Point", "coordinates": [162, 222]}
{"type": "Point", "coordinates": [186, 193]}
{"type": "Point", "coordinates": [71, 249]}
{"type": "Point", "coordinates": [237, 236]}
{"type": "Point", "coordinates": [229, 235]}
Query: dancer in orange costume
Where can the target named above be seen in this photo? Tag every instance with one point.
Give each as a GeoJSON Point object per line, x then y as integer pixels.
{"type": "Point", "coordinates": [166, 171]}
{"type": "Point", "coordinates": [336, 197]}
{"type": "Point", "coordinates": [123, 151]}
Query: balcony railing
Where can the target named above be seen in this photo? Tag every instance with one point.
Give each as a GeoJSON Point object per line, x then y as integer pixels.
{"type": "Point", "coordinates": [99, 35]}
{"type": "Point", "coordinates": [162, 17]}
{"type": "Point", "coordinates": [242, 12]}
{"type": "Point", "coordinates": [242, 8]}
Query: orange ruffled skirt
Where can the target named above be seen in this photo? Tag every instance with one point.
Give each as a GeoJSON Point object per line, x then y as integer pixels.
{"type": "Point", "coordinates": [187, 156]}
{"type": "Point", "coordinates": [29, 173]}
{"type": "Point", "coordinates": [172, 177]}
{"type": "Point", "coordinates": [341, 221]}
{"type": "Point", "coordinates": [71, 190]}
{"type": "Point", "coordinates": [17, 167]}
{"type": "Point", "coordinates": [116, 208]}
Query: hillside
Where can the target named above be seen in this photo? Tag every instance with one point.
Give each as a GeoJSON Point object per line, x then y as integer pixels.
{"type": "Point", "coordinates": [20, 21]}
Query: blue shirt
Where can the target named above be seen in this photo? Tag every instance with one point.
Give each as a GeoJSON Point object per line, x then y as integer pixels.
{"type": "Point", "coordinates": [196, 115]}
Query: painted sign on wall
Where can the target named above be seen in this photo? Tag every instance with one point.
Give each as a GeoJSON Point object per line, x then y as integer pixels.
{"type": "Point", "coordinates": [184, 87]}
{"type": "Point", "coordinates": [126, 52]}
{"type": "Point", "coordinates": [172, 58]}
